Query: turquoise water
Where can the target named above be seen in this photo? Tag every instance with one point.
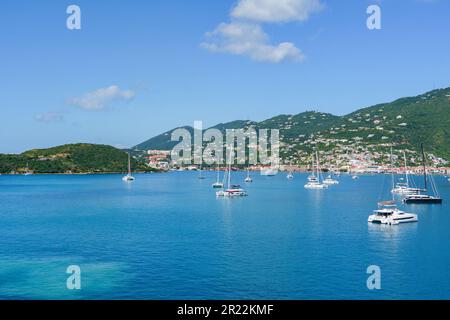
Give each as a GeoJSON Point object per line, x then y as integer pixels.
{"type": "Point", "coordinates": [166, 236]}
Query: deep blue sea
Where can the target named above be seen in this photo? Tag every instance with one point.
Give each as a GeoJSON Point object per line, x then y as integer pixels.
{"type": "Point", "coordinates": [166, 236]}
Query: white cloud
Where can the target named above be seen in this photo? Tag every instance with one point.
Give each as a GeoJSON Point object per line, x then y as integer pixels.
{"type": "Point", "coordinates": [244, 34]}
{"type": "Point", "coordinates": [101, 98]}
{"type": "Point", "coordinates": [242, 38]}
{"type": "Point", "coordinates": [49, 117]}
{"type": "Point", "coordinates": [275, 10]}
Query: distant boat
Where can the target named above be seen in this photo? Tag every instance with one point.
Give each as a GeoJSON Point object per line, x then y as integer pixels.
{"type": "Point", "coordinates": [231, 190]}
{"type": "Point", "coordinates": [128, 177]}
{"type": "Point", "coordinates": [329, 180]}
{"type": "Point", "coordinates": [425, 198]}
{"type": "Point", "coordinates": [218, 184]}
{"type": "Point", "coordinates": [290, 176]}
{"type": "Point", "coordinates": [314, 180]}
{"type": "Point", "coordinates": [27, 171]}
{"type": "Point", "coordinates": [269, 172]}
{"type": "Point", "coordinates": [200, 176]}
{"type": "Point", "coordinates": [248, 179]}
{"type": "Point", "coordinates": [404, 187]}
{"type": "Point", "coordinates": [355, 177]}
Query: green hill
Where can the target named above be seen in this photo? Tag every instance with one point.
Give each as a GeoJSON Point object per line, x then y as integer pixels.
{"type": "Point", "coordinates": [404, 124]}
{"type": "Point", "coordinates": [72, 158]}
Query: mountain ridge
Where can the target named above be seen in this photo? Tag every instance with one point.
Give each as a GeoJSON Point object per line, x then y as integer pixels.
{"type": "Point", "coordinates": [405, 122]}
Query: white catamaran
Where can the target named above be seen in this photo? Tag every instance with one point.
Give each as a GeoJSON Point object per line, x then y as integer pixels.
{"type": "Point", "coordinates": [128, 177]}
{"type": "Point", "coordinates": [314, 180]}
{"type": "Point", "coordinates": [404, 187]}
{"type": "Point", "coordinates": [231, 190]}
{"type": "Point", "coordinates": [218, 184]}
{"type": "Point", "coordinates": [248, 179]}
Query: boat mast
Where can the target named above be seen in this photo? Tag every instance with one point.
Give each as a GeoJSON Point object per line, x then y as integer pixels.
{"type": "Point", "coordinates": [424, 166]}
{"type": "Point", "coordinates": [406, 169]}
{"type": "Point", "coordinates": [318, 169]}
{"type": "Point", "coordinates": [129, 164]}
{"type": "Point", "coordinates": [229, 170]}
{"type": "Point", "coordinates": [392, 175]}
{"type": "Point", "coordinates": [218, 173]}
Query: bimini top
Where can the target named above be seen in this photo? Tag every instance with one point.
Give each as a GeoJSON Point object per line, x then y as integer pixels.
{"type": "Point", "coordinates": [389, 203]}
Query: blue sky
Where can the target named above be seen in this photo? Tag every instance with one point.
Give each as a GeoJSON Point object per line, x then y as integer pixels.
{"type": "Point", "coordinates": [138, 68]}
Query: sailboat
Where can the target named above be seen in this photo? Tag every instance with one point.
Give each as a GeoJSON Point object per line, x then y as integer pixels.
{"type": "Point", "coordinates": [314, 181]}
{"type": "Point", "coordinates": [329, 180]}
{"type": "Point", "coordinates": [231, 190]}
{"type": "Point", "coordinates": [290, 176]}
{"type": "Point", "coordinates": [218, 184]}
{"type": "Point", "coordinates": [388, 213]}
{"type": "Point", "coordinates": [404, 187]}
{"type": "Point", "coordinates": [128, 177]}
{"type": "Point", "coordinates": [27, 171]}
{"type": "Point", "coordinates": [248, 179]}
{"type": "Point", "coordinates": [200, 176]}
{"type": "Point", "coordinates": [424, 198]}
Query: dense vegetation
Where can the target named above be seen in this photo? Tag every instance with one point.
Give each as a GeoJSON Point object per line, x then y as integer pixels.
{"type": "Point", "coordinates": [406, 122]}
{"type": "Point", "coordinates": [73, 158]}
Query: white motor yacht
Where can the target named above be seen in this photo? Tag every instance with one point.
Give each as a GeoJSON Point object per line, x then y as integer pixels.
{"type": "Point", "coordinates": [388, 213]}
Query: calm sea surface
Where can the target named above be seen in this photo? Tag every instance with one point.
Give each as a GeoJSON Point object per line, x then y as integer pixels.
{"type": "Point", "coordinates": [166, 236]}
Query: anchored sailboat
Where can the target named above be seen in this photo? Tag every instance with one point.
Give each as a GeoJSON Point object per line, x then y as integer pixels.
{"type": "Point", "coordinates": [425, 198]}
{"type": "Point", "coordinates": [314, 180]}
{"type": "Point", "coordinates": [404, 187]}
{"type": "Point", "coordinates": [248, 179]}
{"type": "Point", "coordinates": [231, 190]}
{"type": "Point", "coordinates": [290, 176]}
{"type": "Point", "coordinates": [200, 175]}
{"type": "Point", "coordinates": [128, 177]}
{"type": "Point", "coordinates": [218, 184]}
{"type": "Point", "coordinates": [27, 171]}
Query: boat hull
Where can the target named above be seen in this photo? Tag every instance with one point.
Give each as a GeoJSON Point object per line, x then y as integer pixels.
{"type": "Point", "coordinates": [423, 201]}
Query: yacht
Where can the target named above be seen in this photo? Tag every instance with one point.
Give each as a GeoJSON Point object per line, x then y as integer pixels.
{"type": "Point", "coordinates": [232, 190]}
{"type": "Point", "coordinates": [128, 177]}
{"type": "Point", "coordinates": [218, 184]}
{"type": "Point", "coordinates": [404, 187]}
{"type": "Point", "coordinates": [200, 175]}
{"type": "Point", "coordinates": [314, 179]}
{"type": "Point", "coordinates": [290, 176]}
{"type": "Point", "coordinates": [248, 179]}
{"type": "Point", "coordinates": [28, 172]}
{"type": "Point", "coordinates": [270, 172]}
{"type": "Point", "coordinates": [329, 180]}
{"type": "Point", "coordinates": [388, 213]}
{"type": "Point", "coordinates": [424, 198]}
